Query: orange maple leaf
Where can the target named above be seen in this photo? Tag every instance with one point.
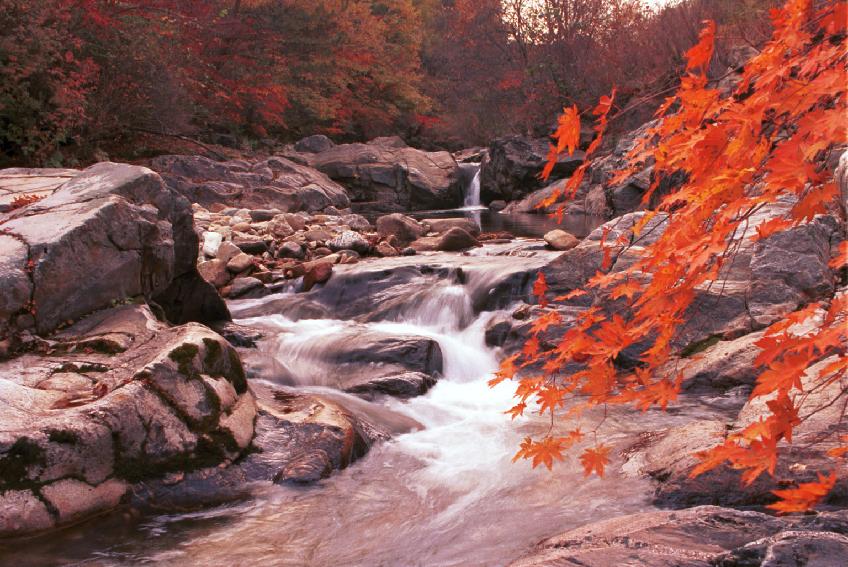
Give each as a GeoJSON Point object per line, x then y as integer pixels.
{"type": "Point", "coordinates": [595, 460]}
{"type": "Point", "coordinates": [805, 497]}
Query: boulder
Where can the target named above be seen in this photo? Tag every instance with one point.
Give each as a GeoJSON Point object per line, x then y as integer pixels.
{"type": "Point", "coordinates": [122, 397]}
{"type": "Point", "coordinates": [402, 227]}
{"type": "Point", "coordinates": [109, 233]}
{"type": "Point", "coordinates": [386, 175]}
{"type": "Point", "coordinates": [697, 537]}
{"type": "Point", "coordinates": [35, 182]}
{"type": "Point", "coordinates": [239, 263]}
{"type": "Point", "coordinates": [513, 166]}
{"type": "Point", "coordinates": [561, 240]}
{"type": "Point", "coordinates": [443, 225]}
{"type": "Point", "coordinates": [669, 455]}
{"type": "Point", "coordinates": [272, 183]}
{"type": "Point", "coordinates": [357, 222]}
{"type": "Point", "coordinates": [319, 272]}
{"type": "Point", "coordinates": [349, 240]}
{"type": "Point", "coordinates": [588, 200]}
{"type": "Point", "coordinates": [243, 288]}
{"type": "Point", "coordinates": [290, 249]}
{"type": "Point", "coordinates": [454, 240]}
{"type": "Point", "coordinates": [313, 144]}
{"type": "Point", "coordinates": [301, 438]}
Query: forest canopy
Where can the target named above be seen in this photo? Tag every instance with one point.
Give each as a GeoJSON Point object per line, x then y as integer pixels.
{"type": "Point", "coordinates": [79, 77]}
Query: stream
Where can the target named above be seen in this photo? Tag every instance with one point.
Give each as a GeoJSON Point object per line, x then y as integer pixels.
{"type": "Point", "coordinates": [444, 494]}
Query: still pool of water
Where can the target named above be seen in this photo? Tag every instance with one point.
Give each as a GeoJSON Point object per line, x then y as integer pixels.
{"type": "Point", "coordinates": [519, 224]}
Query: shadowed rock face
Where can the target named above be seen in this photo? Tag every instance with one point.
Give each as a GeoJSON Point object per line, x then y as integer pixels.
{"type": "Point", "coordinates": [119, 397]}
{"type": "Point", "coordinates": [698, 537]}
{"type": "Point", "coordinates": [512, 169]}
{"type": "Point", "coordinates": [273, 183]}
{"type": "Point", "coordinates": [109, 233]}
{"type": "Point", "coordinates": [387, 176]}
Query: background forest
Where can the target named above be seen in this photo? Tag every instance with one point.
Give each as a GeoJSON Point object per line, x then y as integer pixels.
{"type": "Point", "coordinates": [85, 79]}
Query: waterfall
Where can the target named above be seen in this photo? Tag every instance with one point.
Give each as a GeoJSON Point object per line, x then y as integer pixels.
{"type": "Point", "coordinates": [472, 191]}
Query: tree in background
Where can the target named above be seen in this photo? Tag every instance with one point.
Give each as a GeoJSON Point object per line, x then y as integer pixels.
{"type": "Point", "coordinates": [88, 73]}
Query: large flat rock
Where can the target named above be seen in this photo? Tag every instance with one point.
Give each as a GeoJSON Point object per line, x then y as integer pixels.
{"type": "Point", "coordinates": [698, 537]}
{"type": "Point", "coordinates": [272, 183]}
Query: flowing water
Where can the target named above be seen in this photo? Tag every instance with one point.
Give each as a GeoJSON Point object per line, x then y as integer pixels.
{"type": "Point", "coordinates": [446, 494]}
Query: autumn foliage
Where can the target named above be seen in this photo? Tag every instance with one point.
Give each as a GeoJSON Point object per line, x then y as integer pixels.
{"type": "Point", "coordinates": [758, 153]}
{"type": "Point", "coordinates": [97, 73]}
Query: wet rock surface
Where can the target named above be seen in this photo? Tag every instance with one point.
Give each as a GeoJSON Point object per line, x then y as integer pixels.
{"type": "Point", "coordinates": [702, 536]}
{"type": "Point", "coordinates": [511, 170]}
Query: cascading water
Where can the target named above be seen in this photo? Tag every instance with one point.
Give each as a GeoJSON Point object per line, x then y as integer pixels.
{"type": "Point", "coordinates": [472, 191]}
{"type": "Point", "coordinates": [444, 495]}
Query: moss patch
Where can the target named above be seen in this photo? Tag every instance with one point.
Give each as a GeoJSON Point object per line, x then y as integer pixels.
{"type": "Point", "coordinates": [699, 346]}
{"type": "Point", "coordinates": [236, 375]}
{"type": "Point", "coordinates": [184, 357]}
{"type": "Point", "coordinates": [63, 436]}
{"type": "Point", "coordinates": [213, 353]}
{"type": "Point", "coordinates": [15, 464]}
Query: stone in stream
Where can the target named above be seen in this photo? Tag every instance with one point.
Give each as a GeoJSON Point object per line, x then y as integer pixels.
{"type": "Point", "coordinates": [243, 288]}
{"type": "Point", "coordinates": [211, 243]}
{"type": "Point", "coordinates": [215, 272]}
{"type": "Point", "coordinates": [443, 225]}
{"type": "Point", "coordinates": [319, 272]}
{"type": "Point", "coordinates": [227, 251]}
{"type": "Point", "coordinates": [290, 249]}
{"type": "Point", "coordinates": [402, 227]}
{"type": "Point", "coordinates": [561, 240]}
{"type": "Point", "coordinates": [357, 223]}
{"type": "Point", "coordinates": [252, 246]}
{"type": "Point", "coordinates": [122, 397]}
{"type": "Point", "coordinates": [454, 240]}
{"type": "Point", "coordinates": [240, 263]}
{"type": "Point", "coordinates": [349, 240]}
{"type": "Point", "coordinates": [385, 250]}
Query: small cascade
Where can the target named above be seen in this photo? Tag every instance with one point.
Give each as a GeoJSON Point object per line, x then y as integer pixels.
{"type": "Point", "coordinates": [472, 191]}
